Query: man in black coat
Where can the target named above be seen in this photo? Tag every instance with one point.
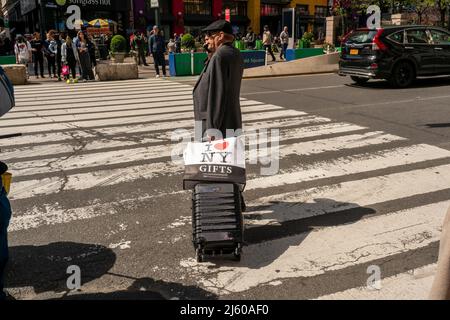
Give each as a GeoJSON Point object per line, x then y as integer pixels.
{"type": "Point", "coordinates": [217, 92]}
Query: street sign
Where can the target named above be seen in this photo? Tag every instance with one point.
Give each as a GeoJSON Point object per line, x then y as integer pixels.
{"type": "Point", "coordinates": [228, 15]}
{"type": "Point", "coordinates": [154, 4]}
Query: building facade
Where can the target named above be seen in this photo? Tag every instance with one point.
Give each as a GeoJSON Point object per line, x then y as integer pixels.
{"type": "Point", "coordinates": [190, 16]}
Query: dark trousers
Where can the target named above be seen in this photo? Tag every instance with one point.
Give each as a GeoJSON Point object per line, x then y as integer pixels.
{"type": "Point", "coordinates": [160, 60]}
{"type": "Point", "coordinates": [51, 61]}
{"type": "Point", "coordinates": [59, 67]}
{"type": "Point", "coordinates": [283, 50]}
{"type": "Point", "coordinates": [38, 59]}
{"type": "Point", "coordinates": [268, 48]}
{"type": "Point", "coordinates": [5, 216]}
{"type": "Point", "coordinates": [141, 57]}
{"type": "Point", "coordinates": [86, 68]}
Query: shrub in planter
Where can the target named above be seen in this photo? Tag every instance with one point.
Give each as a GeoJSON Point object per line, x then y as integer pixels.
{"type": "Point", "coordinates": [118, 48]}
{"type": "Point", "coordinates": [188, 42]}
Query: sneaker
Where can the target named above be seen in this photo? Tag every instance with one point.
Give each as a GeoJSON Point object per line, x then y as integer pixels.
{"type": "Point", "coordinates": [157, 76]}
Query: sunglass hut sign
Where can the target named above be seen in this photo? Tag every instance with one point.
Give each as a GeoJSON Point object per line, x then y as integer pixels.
{"type": "Point", "coordinates": [84, 3]}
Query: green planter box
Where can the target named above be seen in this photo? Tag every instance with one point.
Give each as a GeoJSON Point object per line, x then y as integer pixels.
{"type": "Point", "coordinates": [7, 60]}
{"type": "Point", "coordinates": [180, 64]}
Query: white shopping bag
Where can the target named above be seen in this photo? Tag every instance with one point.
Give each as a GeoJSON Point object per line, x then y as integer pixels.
{"type": "Point", "coordinates": [215, 161]}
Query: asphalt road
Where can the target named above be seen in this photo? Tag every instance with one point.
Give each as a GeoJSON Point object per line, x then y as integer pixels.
{"type": "Point", "coordinates": [363, 181]}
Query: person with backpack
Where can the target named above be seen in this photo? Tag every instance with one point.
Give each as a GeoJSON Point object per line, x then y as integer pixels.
{"type": "Point", "coordinates": [37, 49]}
{"type": "Point", "coordinates": [22, 49]}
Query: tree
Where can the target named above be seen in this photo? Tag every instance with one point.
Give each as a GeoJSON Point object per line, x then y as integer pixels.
{"type": "Point", "coordinates": [442, 6]}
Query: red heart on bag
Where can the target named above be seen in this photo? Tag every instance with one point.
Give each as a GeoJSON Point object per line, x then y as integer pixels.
{"type": "Point", "coordinates": [222, 146]}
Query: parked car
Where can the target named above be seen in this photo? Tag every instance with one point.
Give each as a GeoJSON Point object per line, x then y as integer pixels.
{"type": "Point", "coordinates": [398, 54]}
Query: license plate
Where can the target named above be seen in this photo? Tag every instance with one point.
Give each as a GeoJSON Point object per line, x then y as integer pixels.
{"type": "Point", "coordinates": [354, 51]}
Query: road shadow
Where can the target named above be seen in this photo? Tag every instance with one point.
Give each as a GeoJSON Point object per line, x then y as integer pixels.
{"type": "Point", "coordinates": [149, 289]}
{"type": "Point", "coordinates": [417, 84]}
{"type": "Point", "coordinates": [438, 125]}
{"type": "Point", "coordinates": [45, 267]}
{"type": "Point", "coordinates": [287, 224]}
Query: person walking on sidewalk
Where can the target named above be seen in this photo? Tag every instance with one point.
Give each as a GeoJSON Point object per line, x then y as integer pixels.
{"type": "Point", "coordinates": [37, 49]}
{"type": "Point", "coordinates": [5, 216]}
{"type": "Point", "coordinates": [267, 42]}
{"type": "Point", "coordinates": [284, 37]}
{"type": "Point", "coordinates": [158, 49]}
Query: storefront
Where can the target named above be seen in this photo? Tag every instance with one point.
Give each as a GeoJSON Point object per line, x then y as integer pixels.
{"type": "Point", "coordinates": [271, 14]}
{"type": "Point", "coordinates": [238, 14]}
{"type": "Point", "coordinates": [145, 16]}
{"type": "Point", "coordinates": [54, 15]}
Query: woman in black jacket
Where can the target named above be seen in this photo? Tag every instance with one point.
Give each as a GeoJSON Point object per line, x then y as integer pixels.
{"type": "Point", "coordinates": [37, 48]}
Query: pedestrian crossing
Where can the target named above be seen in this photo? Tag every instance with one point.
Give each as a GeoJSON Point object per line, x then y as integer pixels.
{"type": "Point", "coordinates": [345, 197]}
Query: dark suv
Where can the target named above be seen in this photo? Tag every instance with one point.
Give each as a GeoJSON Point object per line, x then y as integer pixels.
{"type": "Point", "coordinates": [398, 54]}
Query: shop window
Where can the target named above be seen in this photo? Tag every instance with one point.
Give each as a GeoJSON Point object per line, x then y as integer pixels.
{"type": "Point", "coordinates": [302, 10]}
{"type": "Point", "coordinates": [237, 8]}
{"type": "Point", "coordinates": [268, 10]}
{"type": "Point", "coordinates": [321, 12]}
{"type": "Point", "coordinates": [195, 7]}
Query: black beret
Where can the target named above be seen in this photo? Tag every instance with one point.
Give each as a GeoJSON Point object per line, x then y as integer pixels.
{"type": "Point", "coordinates": [219, 25]}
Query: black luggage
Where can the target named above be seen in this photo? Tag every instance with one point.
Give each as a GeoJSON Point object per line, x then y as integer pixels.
{"type": "Point", "coordinates": [217, 220]}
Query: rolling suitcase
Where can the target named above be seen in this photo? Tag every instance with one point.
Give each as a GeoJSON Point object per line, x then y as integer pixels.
{"type": "Point", "coordinates": [217, 220]}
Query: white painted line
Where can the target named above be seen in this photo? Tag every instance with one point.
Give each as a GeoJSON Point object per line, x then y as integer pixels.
{"type": "Point", "coordinates": [166, 111]}
{"type": "Point", "coordinates": [157, 125]}
{"type": "Point", "coordinates": [412, 285]}
{"type": "Point", "coordinates": [349, 195]}
{"type": "Point", "coordinates": [323, 250]}
{"type": "Point", "coordinates": [69, 137]}
{"type": "Point", "coordinates": [351, 165]}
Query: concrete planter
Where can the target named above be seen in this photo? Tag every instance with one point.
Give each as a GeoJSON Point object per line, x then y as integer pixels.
{"type": "Point", "coordinates": [118, 57]}
{"type": "Point", "coordinates": [16, 73]}
{"type": "Point", "coordinates": [116, 71]}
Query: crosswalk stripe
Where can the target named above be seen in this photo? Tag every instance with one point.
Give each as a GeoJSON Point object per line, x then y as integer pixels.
{"type": "Point", "coordinates": [348, 195]}
{"type": "Point", "coordinates": [167, 111]}
{"type": "Point", "coordinates": [412, 285]}
{"type": "Point", "coordinates": [325, 249]}
{"type": "Point", "coordinates": [124, 156]}
{"type": "Point", "coordinates": [157, 122]}
{"type": "Point", "coordinates": [349, 165]}
{"type": "Point", "coordinates": [145, 131]}
{"type": "Point", "coordinates": [14, 152]}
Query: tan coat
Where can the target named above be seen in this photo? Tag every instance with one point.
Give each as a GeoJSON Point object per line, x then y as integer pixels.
{"type": "Point", "coordinates": [441, 285]}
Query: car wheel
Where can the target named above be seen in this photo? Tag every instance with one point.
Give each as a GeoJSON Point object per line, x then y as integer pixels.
{"type": "Point", "coordinates": [360, 81]}
{"type": "Point", "coordinates": [403, 75]}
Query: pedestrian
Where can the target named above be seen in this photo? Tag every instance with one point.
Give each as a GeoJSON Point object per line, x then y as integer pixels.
{"type": "Point", "coordinates": [5, 216]}
{"type": "Point", "coordinates": [92, 49]}
{"type": "Point", "coordinates": [84, 58]}
{"type": "Point", "coordinates": [23, 52]}
{"type": "Point", "coordinates": [250, 39]}
{"type": "Point", "coordinates": [441, 286]}
{"type": "Point", "coordinates": [139, 46]}
{"type": "Point", "coordinates": [216, 94]}
{"type": "Point", "coordinates": [171, 46]}
{"type": "Point", "coordinates": [158, 49]}
{"type": "Point", "coordinates": [267, 42]}
{"type": "Point", "coordinates": [37, 48]}
{"type": "Point", "coordinates": [50, 50]}
{"type": "Point", "coordinates": [69, 57]}
{"type": "Point", "coordinates": [178, 42]}
{"type": "Point", "coordinates": [58, 56]}
{"type": "Point", "coordinates": [284, 38]}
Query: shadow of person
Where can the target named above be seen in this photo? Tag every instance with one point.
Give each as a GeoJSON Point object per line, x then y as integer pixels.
{"type": "Point", "coordinates": [149, 289]}
{"type": "Point", "coordinates": [274, 227]}
{"type": "Point", "coordinates": [45, 267]}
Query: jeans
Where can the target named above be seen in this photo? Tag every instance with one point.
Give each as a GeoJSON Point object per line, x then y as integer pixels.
{"type": "Point", "coordinates": [268, 48]}
{"type": "Point", "coordinates": [38, 63]}
{"type": "Point", "coordinates": [283, 51]}
{"type": "Point", "coordinates": [5, 216]}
